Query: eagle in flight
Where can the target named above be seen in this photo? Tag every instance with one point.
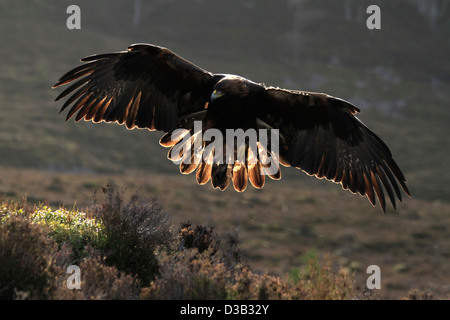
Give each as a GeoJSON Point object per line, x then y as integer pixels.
{"type": "Point", "coordinates": [151, 87]}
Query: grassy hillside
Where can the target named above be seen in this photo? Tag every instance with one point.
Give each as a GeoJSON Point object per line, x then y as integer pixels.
{"type": "Point", "coordinates": [398, 76]}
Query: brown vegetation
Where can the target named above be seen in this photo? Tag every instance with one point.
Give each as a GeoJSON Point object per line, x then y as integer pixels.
{"type": "Point", "coordinates": [136, 255]}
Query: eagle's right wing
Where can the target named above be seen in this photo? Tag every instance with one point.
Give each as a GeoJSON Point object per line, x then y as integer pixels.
{"type": "Point", "coordinates": [146, 86]}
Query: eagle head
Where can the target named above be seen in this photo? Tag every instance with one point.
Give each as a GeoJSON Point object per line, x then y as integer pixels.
{"type": "Point", "coordinates": [230, 86]}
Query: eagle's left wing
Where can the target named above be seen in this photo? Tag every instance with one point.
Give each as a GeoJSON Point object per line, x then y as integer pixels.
{"type": "Point", "coordinates": [321, 135]}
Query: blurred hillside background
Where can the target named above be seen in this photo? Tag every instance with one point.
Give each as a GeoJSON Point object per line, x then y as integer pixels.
{"type": "Point", "coordinates": [399, 76]}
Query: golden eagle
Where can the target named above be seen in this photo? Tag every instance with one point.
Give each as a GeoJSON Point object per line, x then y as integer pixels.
{"type": "Point", "coordinates": [149, 86]}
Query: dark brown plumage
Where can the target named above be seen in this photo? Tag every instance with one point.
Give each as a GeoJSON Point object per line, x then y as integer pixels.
{"type": "Point", "coordinates": [151, 87]}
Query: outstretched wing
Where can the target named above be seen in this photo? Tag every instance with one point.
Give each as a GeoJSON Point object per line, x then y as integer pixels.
{"type": "Point", "coordinates": [146, 86]}
{"type": "Point", "coordinates": [321, 135]}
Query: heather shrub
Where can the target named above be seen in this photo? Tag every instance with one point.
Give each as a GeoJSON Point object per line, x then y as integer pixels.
{"type": "Point", "coordinates": [132, 232]}
{"type": "Point", "coordinates": [190, 274]}
{"type": "Point", "coordinates": [320, 282]}
{"type": "Point", "coordinates": [25, 251]}
{"type": "Point", "coordinates": [38, 244]}
{"type": "Point", "coordinates": [99, 282]}
{"type": "Point", "coordinates": [416, 294]}
{"type": "Point", "coordinates": [199, 237]}
{"type": "Point", "coordinates": [202, 267]}
{"type": "Point", "coordinates": [128, 250]}
{"type": "Point", "coordinates": [71, 227]}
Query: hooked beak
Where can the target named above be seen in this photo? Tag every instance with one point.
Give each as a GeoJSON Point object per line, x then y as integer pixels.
{"type": "Point", "coordinates": [216, 94]}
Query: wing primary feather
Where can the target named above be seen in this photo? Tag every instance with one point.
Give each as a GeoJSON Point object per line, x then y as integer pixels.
{"type": "Point", "coordinates": [72, 98]}
{"type": "Point", "coordinates": [360, 183]}
{"type": "Point", "coordinates": [387, 185]}
{"type": "Point", "coordinates": [96, 57]}
{"type": "Point", "coordinates": [75, 73]}
{"type": "Point", "coordinates": [122, 114]}
{"type": "Point", "coordinates": [100, 111]}
{"type": "Point", "coordinates": [72, 88]}
{"type": "Point", "coordinates": [85, 109]}
{"type": "Point", "coordinates": [91, 106]}
{"type": "Point", "coordinates": [95, 113]}
{"type": "Point", "coordinates": [78, 105]}
{"type": "Point", "coordinates": [392, 179]}
{"type": "Point", "coordinates": [369, 190]}
{"type": "Point", "coordinates": [131, 114]}
{"type": "Point", "coordinates": [398, 173]}
{"type": "Point", "coordinates": [352, 181]}
{"type": "Point", "coordinates": [378, 191]}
